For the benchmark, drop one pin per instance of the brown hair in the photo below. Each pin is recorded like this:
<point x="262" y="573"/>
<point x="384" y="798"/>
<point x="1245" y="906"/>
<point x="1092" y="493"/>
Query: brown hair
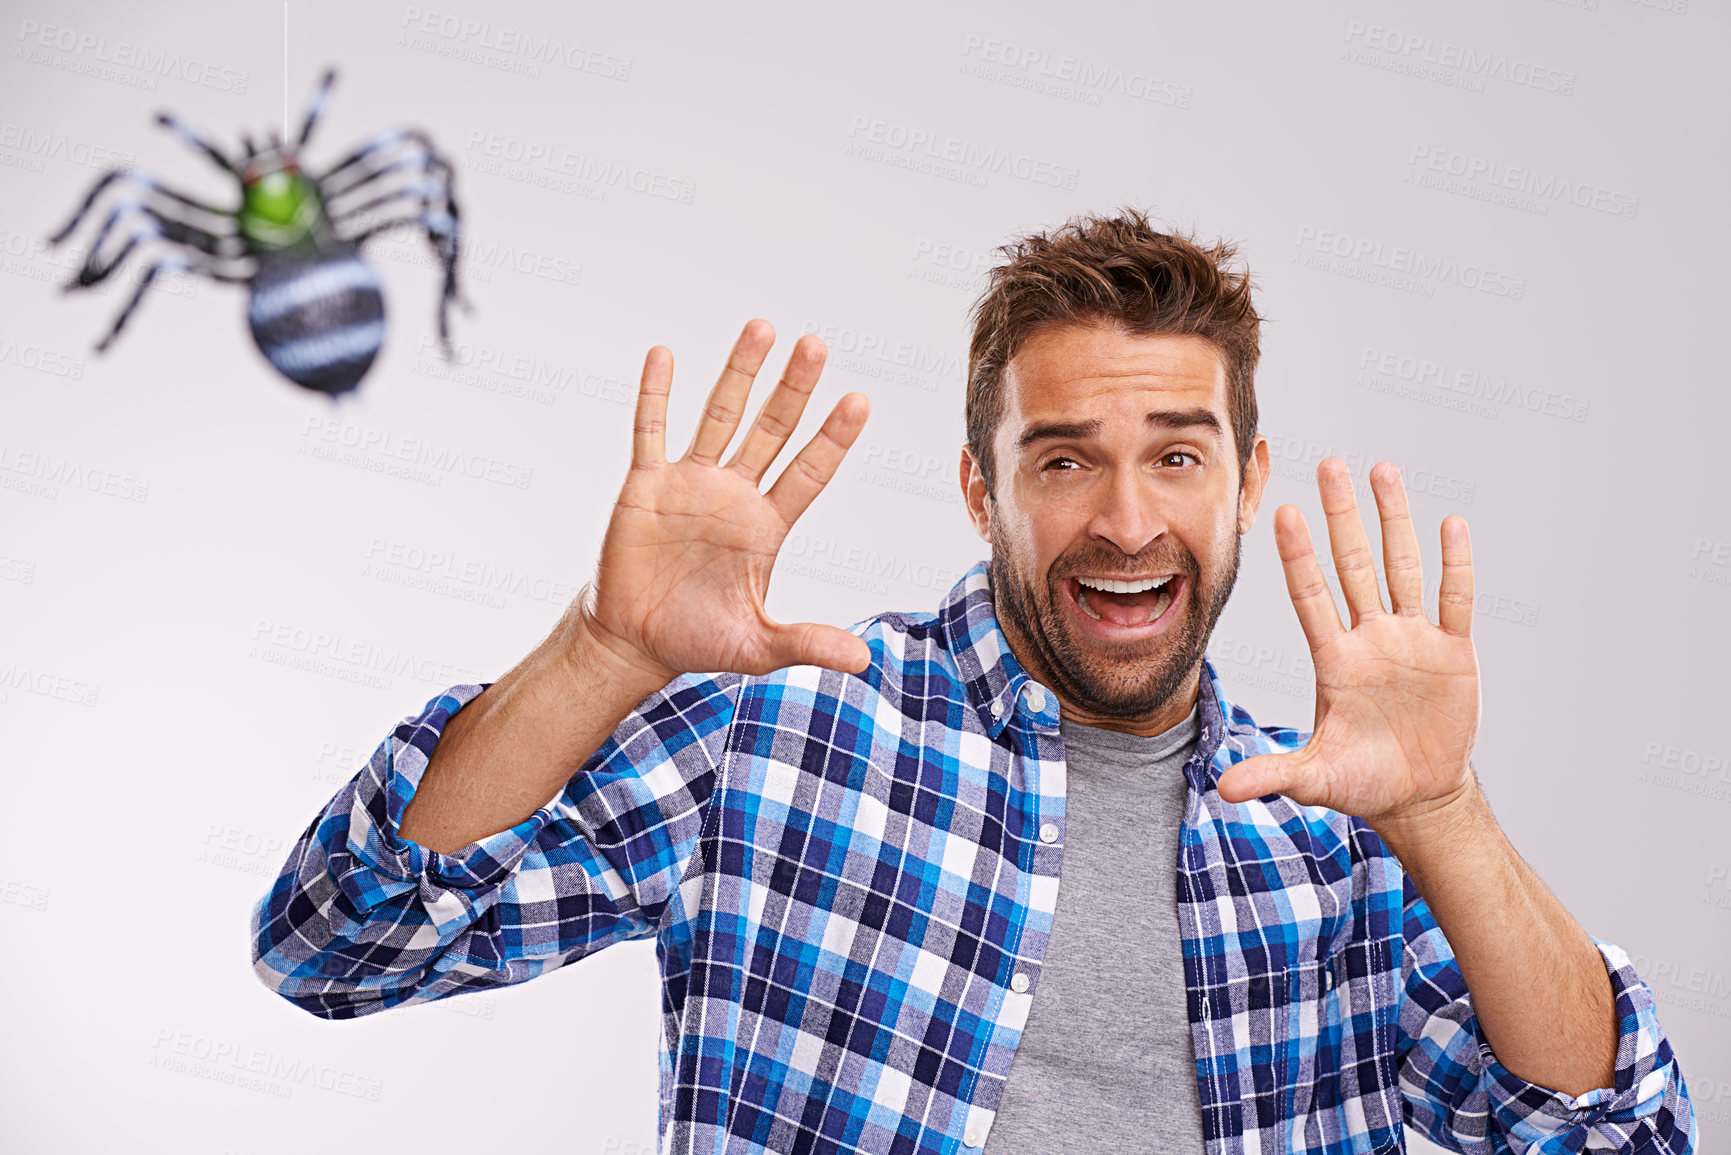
<point x="1118" y="270"/>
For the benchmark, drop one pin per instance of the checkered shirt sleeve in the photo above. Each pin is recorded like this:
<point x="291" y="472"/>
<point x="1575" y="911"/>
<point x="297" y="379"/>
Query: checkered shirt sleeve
<point x="361" y="919"/>
<point x="1461" y="1097"/>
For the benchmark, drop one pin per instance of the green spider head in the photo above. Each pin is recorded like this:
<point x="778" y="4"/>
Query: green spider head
<point x="280" y="205"/>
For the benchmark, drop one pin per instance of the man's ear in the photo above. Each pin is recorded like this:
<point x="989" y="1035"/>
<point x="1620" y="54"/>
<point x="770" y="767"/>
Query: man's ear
<point x="1255" y="481"/>
<point x="974" y="495"/>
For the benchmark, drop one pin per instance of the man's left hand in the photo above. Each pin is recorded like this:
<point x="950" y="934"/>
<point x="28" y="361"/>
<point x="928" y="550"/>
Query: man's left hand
<point x="1397" y="698"/>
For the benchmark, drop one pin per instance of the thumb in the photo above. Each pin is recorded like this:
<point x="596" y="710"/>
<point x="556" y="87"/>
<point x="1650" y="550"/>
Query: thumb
<point x="1263" y="774"/>
<point x="811" y="644"/>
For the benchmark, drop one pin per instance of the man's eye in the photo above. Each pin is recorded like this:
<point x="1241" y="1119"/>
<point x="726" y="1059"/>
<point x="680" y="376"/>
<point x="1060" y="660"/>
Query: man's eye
<point x="1055" y="462"/>
<point x="1167" y="458"/>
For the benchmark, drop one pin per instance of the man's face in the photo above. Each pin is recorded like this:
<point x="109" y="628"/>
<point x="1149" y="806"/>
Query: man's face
<point x="1116" y="515"/>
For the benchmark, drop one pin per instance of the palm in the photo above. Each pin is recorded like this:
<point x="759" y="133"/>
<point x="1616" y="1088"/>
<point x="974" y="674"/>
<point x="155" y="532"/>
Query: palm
<point x="1397" y="697"/>
<point x="1397" y="705"/>
<point x="686" y="561"/>
<point x="686" y="565"/>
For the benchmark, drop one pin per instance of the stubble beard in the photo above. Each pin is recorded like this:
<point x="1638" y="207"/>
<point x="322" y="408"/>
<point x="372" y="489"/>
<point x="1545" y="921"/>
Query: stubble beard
<point x="1134" y="683"/>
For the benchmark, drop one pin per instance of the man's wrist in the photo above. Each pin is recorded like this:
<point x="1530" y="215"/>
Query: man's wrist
<point x="588" y="651"/>
<point x="1444" y="826"/>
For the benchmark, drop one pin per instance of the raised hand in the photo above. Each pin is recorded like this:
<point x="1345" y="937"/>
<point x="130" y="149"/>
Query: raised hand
<point x="1397" y="697"/>
<point x="686" y="561"/>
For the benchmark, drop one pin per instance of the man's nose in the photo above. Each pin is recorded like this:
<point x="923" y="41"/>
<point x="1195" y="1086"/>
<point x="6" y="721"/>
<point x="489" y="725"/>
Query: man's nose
<point x="1127" y="514"/>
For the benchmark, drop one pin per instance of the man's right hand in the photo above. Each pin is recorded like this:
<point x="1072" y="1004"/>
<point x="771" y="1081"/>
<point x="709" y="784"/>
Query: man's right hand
<point x="686" y="561"/>
<point x="679" y="589"/>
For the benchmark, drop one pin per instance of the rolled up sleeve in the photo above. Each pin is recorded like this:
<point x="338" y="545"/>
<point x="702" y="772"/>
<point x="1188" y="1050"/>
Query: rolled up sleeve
<point x="361" y="919"/>
<point x="1461" y="1097"/>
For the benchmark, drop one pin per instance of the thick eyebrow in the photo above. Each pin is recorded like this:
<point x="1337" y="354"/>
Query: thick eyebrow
<point x="1076" y="430"/>
<point x="1185" y="419"/>
<point x="1058" y="431"/>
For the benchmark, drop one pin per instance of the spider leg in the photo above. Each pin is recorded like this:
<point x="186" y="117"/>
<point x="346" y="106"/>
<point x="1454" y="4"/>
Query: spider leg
<point x="149" y="223"/>
<point x="141" y="181"/>
<point x="316" y="105"/>
<point x="439" y="176"/>
<point x="435" y="185"/>
<point x="418" y="159"/>
<point x="423" y="189"/>
<point x="191" y="136"/>
<point x="171" y="263"/>
<point x="441" y="230"/>
<point x="382" y="141"/>
<point x="438" y="184"/>
<point x="442" y="224"/>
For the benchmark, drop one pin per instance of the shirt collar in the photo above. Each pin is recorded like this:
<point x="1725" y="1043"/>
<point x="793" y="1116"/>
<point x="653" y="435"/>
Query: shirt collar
<point x="994" y="679"/>
<point x="990" y="672"/>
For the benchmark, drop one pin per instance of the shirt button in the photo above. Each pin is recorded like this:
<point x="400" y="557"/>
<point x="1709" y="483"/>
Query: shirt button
<point x="972" y="1138"/>
<point x="997" y="708"/>
<point x="1019" y="983"/>
<point x="1036" y="699"/>
<point x="1049" y="833"/>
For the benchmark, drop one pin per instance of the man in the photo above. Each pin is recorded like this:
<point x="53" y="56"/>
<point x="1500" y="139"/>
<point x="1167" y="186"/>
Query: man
<point x="848" y="844"/>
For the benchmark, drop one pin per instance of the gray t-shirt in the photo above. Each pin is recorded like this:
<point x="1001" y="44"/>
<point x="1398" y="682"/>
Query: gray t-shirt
<point x="1106" y="1061"/>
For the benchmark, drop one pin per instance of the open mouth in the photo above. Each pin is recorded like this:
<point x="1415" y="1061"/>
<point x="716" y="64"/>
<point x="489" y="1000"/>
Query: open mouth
<point x="1125" y="603"/>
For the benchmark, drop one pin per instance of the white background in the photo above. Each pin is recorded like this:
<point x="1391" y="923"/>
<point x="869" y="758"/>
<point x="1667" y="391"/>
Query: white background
<point x="210" y="612"/>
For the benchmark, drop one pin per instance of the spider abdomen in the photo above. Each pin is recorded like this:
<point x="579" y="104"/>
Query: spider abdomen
<point x="318" y="320"/>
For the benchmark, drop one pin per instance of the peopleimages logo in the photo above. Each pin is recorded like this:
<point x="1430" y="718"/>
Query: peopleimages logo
<point x="1467" y="63"/>
<point x="1069" y="77"/>
<point x="885" y="358"/>
<point x="57" y="471"/>
<point x="1711" y="561"/>
<point x="527" y="369"/>
<point x="61" y="687"/>
<point x="1364" y="254"/>
<point x="422" y="460"/>
<point x="560" y="168"/>
<point x="1524" y="185"/>
<point x="873" y="139"/>
<point x="39" y="145"/>
<point x="252" y="1067"/>
<point x="350" y="659"/>
<point x="522" y="43"/>
<point x="91" y="49"/>
<point x="1470" y="383"/>
<point x="408" y="560"/>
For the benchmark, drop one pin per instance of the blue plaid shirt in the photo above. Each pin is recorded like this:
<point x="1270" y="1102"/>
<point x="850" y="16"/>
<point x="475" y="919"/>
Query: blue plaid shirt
<point x="850" y="880"/>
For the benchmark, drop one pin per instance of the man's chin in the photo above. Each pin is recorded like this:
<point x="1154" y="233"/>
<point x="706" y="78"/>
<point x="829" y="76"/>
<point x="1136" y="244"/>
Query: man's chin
<point x="1116" y="695"/>
<point x="1131" y="677"/>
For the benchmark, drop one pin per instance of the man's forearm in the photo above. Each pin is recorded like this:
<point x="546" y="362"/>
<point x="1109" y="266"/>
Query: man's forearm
<point x="1539" y="986"/>
<point x="512" y="749"/>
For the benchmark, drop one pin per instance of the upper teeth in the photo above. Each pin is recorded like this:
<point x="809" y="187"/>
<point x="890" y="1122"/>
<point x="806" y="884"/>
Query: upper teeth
<point x="1118" y="587"/>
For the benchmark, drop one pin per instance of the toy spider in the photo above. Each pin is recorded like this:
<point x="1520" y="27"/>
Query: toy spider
<point x="315" y="308"/>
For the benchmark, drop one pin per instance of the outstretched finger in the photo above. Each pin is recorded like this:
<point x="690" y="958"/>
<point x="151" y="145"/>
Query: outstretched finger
<point x="1400" y="557"/>
<point x="649" y="426"/>
<point x="780" y="414"/>
<point x="1455" y="598"/>
<point x="1353" y="563"/>
<point x="1317" y="614"/>
<point x="726" y="403"/>
<point x="811" y="469"/>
